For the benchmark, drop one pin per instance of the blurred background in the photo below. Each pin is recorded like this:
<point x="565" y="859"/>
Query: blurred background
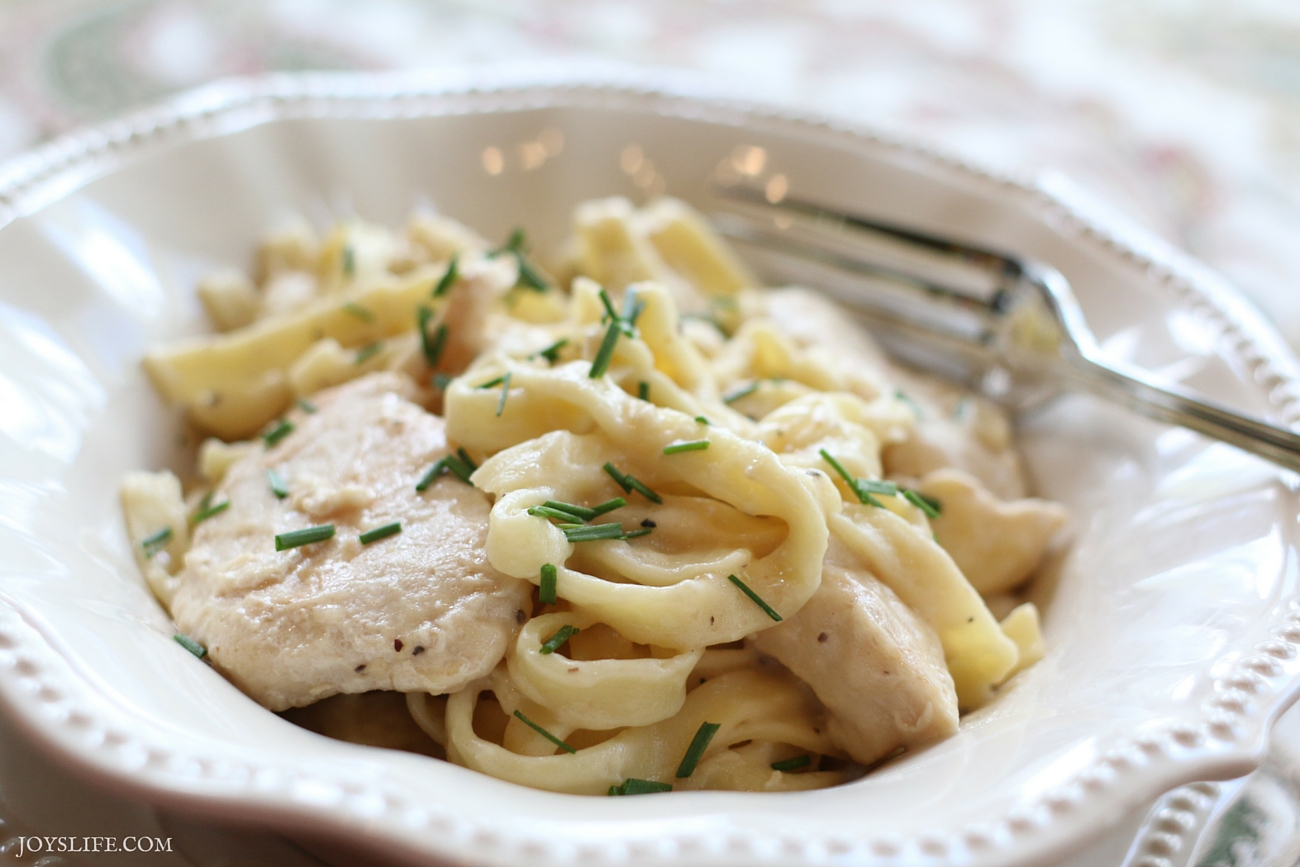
<point x="1182" y="114"/>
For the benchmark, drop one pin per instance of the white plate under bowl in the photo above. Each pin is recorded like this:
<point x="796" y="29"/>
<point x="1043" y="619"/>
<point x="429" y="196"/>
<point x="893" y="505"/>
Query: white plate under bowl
<point x="1173" y="633"/>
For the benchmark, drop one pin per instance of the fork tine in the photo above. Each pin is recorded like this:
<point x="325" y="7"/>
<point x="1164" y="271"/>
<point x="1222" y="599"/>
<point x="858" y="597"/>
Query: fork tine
<point x="1030" y="327"/>
<point x="1006" y="266"/>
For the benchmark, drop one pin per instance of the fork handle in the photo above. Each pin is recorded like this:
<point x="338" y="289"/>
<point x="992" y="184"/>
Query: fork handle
<point x="1133" y="389"/>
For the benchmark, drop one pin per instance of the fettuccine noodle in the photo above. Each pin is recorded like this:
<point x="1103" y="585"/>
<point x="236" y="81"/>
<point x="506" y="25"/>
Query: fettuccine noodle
<point x="677" y="522"/>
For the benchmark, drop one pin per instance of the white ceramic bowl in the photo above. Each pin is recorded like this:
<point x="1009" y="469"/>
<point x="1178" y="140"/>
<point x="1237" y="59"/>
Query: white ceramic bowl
<point x="1173" y="633"/>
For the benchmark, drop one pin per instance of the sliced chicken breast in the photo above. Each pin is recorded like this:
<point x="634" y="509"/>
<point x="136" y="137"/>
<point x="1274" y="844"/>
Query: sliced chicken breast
<point x="877" y="667"/>
<point x="419" y="610"/>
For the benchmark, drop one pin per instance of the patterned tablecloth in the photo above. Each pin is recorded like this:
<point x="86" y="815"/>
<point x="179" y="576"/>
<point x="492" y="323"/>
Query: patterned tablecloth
<point x="1184" y="114"/>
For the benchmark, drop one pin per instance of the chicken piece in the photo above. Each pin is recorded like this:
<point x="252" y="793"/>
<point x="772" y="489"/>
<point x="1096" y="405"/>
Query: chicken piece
<point x="419" y="610"/>
<point x="996" y="544"/>
<point x="877" y="667"/>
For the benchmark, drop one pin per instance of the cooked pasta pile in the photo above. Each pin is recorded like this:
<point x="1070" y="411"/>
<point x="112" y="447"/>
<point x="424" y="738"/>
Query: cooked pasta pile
<point x="623" y="524"/>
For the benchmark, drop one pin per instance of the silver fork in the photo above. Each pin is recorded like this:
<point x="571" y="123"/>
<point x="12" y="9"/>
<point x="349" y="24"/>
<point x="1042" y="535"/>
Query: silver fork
<point x="1007" y="326"/>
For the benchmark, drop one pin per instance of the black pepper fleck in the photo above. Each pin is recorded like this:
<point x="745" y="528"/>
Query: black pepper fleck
<point x="420" y="649"/>
<point x="397" y="644"/>
<point x="821" y="639"/>
<point x="970" y="619"/>
<point x="360" y="668"/>
<point x="520" y="617"/>
<point x="710" y="619"/>
<point x="649" y="523"/>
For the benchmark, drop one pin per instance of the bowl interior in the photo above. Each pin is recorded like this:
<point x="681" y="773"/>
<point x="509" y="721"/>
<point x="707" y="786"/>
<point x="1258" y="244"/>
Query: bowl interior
<point x="1182" y="555"/>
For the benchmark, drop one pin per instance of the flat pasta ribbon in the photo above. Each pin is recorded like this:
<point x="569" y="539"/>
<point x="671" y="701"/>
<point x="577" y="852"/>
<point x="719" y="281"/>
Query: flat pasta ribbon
<point x="700" y="609"/>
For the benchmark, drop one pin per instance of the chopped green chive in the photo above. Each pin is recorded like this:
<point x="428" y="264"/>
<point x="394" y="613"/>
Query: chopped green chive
<point x="449" y="277"/>
<point x="155" y="542"/>
<point x="855" y="485"/>
<point x="839" y="468"/>
<point x="306" y="405"/>
<point x="207" y="509"/>
<point x="600" y="363"/>
<point x="528" y="275"/>
<point x="629" y="484"/>
<point x="929" y="505"/>
<point x="634" y="786"/>
<point x="701" y="419"/>
<point x="632" y="534"/>
<point x="517" y="241"/>
<point x="466" y="459"/>
<point x="306" y="536"/>
<point x="580" y="512"/>
<point x="282" y="429"/>
<point x="431" y="346"/>
<point x="368" y="352"/>
<point x="569" y="510"/>
<point x="431" y="475"/>
<point x="190" y="644"/>
<point x="548" y="585"/>
<point x="563" y="634"/>
<point x="642" y="489"/>
<point x="544" y="733"/>
<point x="594" y="532"/>
<point x="460" y="466"/>
<point x="792" y="764"/>
<point x="460" y="469"/>
<point x="614" y="474"/>
<point x="552" y="352"/>
<point x="552" y="513"/>
<point x="358" y="311"/>
<point x="899" y="394"/>
<point x="441" y="381"/>
<point x="873" y="486"/>
<point x="643" y="390"/>
<point x="692" y="446"/>
<point x="733" y="396"/>
<point x="517" y="246"/>
<point x="504" y="382"/>
<point x="626" y="321"/>
<point x="609" y="305"/>
<point x="279" y="486"/>
<point x="757" y="600"/>
<point x="695" y="751"/>
<point x="607" y="506"/>
<point x="632" y="307"/>
<point x="381" y="532"/>
<point x="349" y="261"/>
<point x="505" y="392"/>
